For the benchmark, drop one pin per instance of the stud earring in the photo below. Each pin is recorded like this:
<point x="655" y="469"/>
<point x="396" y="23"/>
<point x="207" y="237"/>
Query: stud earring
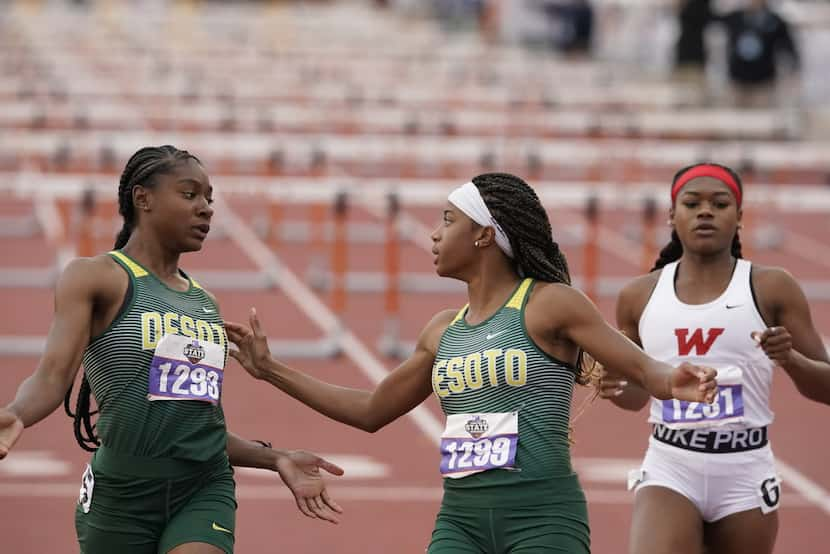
<point x="476" y="243"/>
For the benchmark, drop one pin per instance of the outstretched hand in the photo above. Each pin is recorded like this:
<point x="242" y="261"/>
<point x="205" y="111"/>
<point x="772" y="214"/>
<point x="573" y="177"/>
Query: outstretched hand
<point x="611" y="385"/>
<point x="694" y="383"/>
<point x="252" y="344"/>
<point x="300" y="471"/>
<point x="10" y="429"/>
<point x="776" y="342"/>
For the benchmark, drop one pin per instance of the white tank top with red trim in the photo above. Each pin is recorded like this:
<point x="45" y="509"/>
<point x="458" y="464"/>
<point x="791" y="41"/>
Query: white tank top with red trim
<point x="716" y="334"/>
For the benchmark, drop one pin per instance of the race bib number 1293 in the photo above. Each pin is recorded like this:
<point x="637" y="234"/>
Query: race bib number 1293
<point x="186" y="369"/>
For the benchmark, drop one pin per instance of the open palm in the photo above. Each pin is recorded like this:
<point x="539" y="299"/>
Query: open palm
<point x="300" y="471"/>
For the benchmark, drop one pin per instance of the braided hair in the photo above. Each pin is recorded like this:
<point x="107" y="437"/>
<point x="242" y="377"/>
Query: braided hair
<point x="141" y="169"/>
<point x="518" y="211"/>
<point x="674" y="249"/>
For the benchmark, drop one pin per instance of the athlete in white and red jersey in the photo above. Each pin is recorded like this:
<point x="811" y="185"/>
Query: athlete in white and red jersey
<point x="708" y="479"/>
<point x="717" y="334"/>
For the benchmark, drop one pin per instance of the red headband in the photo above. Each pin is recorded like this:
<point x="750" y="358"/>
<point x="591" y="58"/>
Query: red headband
<point x="706" y="170"/>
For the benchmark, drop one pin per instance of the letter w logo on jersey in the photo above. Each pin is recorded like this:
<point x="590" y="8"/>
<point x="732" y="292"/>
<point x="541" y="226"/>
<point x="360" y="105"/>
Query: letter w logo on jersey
<point x="685" y="343"/>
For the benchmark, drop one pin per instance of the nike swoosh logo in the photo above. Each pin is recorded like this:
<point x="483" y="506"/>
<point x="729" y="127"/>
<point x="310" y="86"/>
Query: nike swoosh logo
<point x="217" y="527"/>
<point x="494" y="335"/>
<point x="731" y="306"/>
<point x="207" y="310"/>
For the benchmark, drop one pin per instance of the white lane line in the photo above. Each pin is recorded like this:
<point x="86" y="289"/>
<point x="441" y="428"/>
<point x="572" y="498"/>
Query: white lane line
<point x="34" y="463"/>
<point x="814" y="493"/>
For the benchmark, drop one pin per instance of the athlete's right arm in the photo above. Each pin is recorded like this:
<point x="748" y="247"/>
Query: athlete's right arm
<point x="630" y="305"/>
<point x="43" y="391"/>
<point x="398" y="393"/>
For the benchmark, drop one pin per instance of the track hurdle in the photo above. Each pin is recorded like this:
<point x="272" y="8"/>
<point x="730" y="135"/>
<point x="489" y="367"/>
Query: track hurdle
<point x="390" y="342"/>
<point x="317" y="270"/>
<point x="591" y="248"/>
<point x="339" y="254"/>
<point x="85" y="221"/>
<point x="649" y="247"/>
<point x="275" y="213"/>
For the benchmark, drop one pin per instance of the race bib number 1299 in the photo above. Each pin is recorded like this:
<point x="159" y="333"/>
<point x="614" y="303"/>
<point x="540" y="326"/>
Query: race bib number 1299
<point x="473" y="443"/>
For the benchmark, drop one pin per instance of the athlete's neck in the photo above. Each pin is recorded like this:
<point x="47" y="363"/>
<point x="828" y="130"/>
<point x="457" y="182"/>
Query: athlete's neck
<point x="488" y="291"/>
<point x="161" y="262"/>
<point x="703" y="278"/>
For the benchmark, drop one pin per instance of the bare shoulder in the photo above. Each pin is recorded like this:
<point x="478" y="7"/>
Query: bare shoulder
<point x="547" y="295"/>
<point x="544" y="292"/>
<point x="552" y="307"/>
<point x="98" y="281"/>
<point x="635" y="294"/>
<point x="771" y="282"/>
<point x="97" y="273"/>
<point x="432" y="332"/>
<point x="770" y="276"/>
<point x="440" y="321"/>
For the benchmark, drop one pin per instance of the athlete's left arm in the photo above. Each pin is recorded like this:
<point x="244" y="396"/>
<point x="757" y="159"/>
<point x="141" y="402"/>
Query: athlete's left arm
<point x="573" y="316"/>
<point x="792" y="342"/>
<point x="299" y="470"/>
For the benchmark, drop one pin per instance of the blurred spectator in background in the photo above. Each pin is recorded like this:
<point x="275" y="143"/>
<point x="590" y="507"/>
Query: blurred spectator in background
<point x="757" y="40"/>
<point x="459" y="14"/>
<point x="573" y="23"/>
<point x="690" y="49"/>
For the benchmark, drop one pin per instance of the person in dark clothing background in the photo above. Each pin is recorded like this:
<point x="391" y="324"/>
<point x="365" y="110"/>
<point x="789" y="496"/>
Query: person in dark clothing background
<point x="757" y="38"/>
<point x="690" y="54"/>
<point x="690" y="50"/>
<point x="573" y="22"/>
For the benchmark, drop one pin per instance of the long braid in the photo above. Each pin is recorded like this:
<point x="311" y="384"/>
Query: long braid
<point x="674" y="249"/>
<point x="518" y="211"/>
<point x="141" y="169"/>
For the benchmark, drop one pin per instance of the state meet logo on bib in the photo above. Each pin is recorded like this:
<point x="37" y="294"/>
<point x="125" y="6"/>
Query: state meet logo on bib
<point x="477" y="426"/>
<point x="194" y="352"/>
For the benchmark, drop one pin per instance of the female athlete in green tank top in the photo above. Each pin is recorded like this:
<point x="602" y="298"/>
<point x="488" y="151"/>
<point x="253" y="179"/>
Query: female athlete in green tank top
<point x="503" y="369"/>
<point x="153" y="348"/>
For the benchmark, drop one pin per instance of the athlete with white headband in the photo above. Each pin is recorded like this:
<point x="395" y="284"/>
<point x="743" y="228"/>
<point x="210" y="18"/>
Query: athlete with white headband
<point x="708" y="482"/>
<point x="503" y="368"/>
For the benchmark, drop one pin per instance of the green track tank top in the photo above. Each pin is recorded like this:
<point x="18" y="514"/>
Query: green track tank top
<point x="117" y="364"/>
<point x="495" y="367"/>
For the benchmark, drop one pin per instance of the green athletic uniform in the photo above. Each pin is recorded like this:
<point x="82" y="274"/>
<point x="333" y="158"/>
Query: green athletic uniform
<point x="537" y="505"/>
<point x="161" y="476"/>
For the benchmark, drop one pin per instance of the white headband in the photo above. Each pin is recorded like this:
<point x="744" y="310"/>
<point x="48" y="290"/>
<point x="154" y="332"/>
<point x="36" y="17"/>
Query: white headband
<point x="467" y="199"/>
